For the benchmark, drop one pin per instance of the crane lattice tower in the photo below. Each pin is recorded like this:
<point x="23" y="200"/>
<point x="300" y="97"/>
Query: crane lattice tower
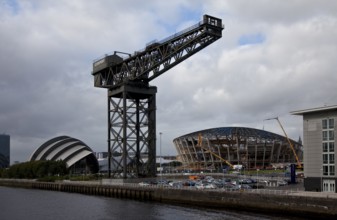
<point x="132" y="101"/>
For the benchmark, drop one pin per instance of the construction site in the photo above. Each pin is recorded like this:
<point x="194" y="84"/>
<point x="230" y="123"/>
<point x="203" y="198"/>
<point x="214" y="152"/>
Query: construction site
<point x="225" y="148"/>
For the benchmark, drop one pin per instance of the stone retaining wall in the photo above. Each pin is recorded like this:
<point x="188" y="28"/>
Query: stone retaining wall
<point x="304" y="206"/>
<point x="245" y="201"/>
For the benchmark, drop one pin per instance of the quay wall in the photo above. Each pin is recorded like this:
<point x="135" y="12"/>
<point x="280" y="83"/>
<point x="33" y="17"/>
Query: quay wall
<point x="301" y="206"/>
<point x="291" y="205"/>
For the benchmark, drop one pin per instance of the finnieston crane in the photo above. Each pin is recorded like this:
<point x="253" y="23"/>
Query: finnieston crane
<point x="132" y="101"/>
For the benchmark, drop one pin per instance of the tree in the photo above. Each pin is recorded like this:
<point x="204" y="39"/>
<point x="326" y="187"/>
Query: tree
<point x="36" y="169"/>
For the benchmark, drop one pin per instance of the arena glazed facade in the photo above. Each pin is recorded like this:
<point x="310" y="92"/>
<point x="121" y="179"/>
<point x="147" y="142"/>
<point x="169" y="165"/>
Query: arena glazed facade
<point x="77" y="155"/>
<point x="249" y="147"/>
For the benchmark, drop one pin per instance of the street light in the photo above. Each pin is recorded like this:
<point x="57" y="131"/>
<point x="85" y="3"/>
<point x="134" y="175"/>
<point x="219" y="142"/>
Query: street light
<point x="321" y="179"/>
<point x="161" y="176"/>
<point x="257" y="179"/>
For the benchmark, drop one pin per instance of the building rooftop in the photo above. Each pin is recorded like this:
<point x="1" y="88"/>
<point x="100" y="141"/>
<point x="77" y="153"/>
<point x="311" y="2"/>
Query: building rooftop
<point x="312" y="110"/>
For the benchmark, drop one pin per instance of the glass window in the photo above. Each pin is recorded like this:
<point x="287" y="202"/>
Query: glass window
<point x="331" y="135"/>
<point x="324" y="124"/>
<point x="331" y="147"/>
<point x="331" y="123"/>
<point x="325" y="135"/>
<point x="325" y="170"/>
<point x="331" y="158"/>
<point x="325" y="147"/>
<point x="332" y="170"/>
<point x="325" y="158"/>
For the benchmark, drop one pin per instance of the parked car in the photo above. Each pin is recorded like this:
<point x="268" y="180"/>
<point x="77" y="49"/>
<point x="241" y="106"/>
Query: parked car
<point x="210" y="186"/>
<point x="257" y="186"/>
<point x="245" y="186"/>
<point x="144" y="183"/>
<point x="200" y="186"/>
<point x="282" y="183"/>
<point x="178" y="184"/>
<point x="245" y="181"/>
<point x="253" y="180"/>
<point x="189" y="183"/>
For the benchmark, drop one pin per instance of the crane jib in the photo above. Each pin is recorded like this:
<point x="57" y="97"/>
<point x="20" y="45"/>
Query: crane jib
<point x="158" y="56"/>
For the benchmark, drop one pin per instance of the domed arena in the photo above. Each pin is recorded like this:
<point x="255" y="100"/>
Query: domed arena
<point x="217" y="149"/>
<point x="77" y="155"/>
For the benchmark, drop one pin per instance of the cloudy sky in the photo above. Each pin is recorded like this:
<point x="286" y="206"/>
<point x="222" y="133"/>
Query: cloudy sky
<point x="274" y="57"/>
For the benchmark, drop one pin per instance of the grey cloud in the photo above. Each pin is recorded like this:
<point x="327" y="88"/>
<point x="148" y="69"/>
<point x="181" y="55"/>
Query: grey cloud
<point x="47" y="49"/>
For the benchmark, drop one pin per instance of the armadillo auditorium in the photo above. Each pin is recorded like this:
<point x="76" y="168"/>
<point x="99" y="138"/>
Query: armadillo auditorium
<point x="78" y="156"/>
<point x="220" y="148"/>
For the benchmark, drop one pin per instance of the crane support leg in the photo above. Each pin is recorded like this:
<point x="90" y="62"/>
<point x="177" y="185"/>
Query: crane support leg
<point x="132" y="130"/>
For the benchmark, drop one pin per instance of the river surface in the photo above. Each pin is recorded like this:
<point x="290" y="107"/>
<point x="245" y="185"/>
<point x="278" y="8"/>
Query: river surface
<point x="19" y="203"/>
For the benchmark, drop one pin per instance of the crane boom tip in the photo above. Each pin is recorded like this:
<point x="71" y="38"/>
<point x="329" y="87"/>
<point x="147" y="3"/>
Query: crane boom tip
<point x="271" y="118"/>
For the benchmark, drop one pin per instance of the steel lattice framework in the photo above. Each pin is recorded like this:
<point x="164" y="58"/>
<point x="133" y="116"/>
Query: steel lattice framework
<point x="252" y="148"/>
<point x="131" y="100"/>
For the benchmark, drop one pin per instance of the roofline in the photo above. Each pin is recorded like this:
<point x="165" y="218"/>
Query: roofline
<point x="270" y="135"/>
<point x="312" y="110"/>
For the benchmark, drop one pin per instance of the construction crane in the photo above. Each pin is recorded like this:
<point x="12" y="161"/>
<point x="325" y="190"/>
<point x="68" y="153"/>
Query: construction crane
<point x="214" y="154"/>
<point x="132" y="101"/>
<point x="299" y="164"/>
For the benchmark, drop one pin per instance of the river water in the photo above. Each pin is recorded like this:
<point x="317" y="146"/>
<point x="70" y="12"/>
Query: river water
<point x="19" y="203"/>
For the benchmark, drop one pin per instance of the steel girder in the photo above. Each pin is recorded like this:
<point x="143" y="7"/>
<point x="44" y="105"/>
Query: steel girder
<point x="252" y="152"/>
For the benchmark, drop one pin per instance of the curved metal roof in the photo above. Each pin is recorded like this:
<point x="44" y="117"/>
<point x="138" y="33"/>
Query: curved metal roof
<point x="68" y="149"/>
<point x="236" y="131"/>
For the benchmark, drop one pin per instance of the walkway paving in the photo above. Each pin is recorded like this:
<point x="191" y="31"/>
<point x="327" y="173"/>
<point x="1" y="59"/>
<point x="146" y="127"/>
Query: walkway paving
<point x="331" y="195"/>
<point x="298" y="190"/>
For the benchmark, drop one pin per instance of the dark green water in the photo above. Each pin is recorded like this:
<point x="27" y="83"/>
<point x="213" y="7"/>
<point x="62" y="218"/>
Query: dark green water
<point x="19" y="203"/>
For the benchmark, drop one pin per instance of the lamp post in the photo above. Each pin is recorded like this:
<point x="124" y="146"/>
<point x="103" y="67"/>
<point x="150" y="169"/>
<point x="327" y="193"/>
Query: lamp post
<point x="223" y="178"/>
<point x="321" y="179"/>
<point x="161" y="175"/>
<point x="257" y="179"/>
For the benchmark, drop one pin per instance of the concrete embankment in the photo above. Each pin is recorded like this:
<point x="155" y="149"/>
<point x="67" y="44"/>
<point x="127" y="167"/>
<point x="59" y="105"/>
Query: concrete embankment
<point x="300" y="205"/>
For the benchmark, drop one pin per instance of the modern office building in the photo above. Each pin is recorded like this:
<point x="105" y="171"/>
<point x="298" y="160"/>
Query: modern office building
<point x="4" y="150"/>
<point x="319" y="131"/>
